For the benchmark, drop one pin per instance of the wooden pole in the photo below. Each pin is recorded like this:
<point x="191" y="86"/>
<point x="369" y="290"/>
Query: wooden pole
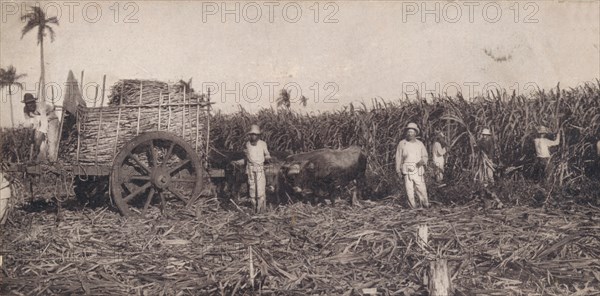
<point x="159" y="108"/>
<point x="197" y="123"/>
<point x="207" y="129"/>
<point x="169" y="102"/>
<point x="119" y="119"/>
<point x="100" y="121"/>
<point x="81" y="85"/>
<point x="183" y="114"/>
<point x="439" y="278"/>
<point x="137" y="131"/>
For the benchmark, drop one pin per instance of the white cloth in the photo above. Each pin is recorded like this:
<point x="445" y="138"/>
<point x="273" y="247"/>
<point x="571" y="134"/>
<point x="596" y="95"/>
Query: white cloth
<point x="438" y="153"/>
<point x="36" y="122"/>
<point x="542" y="145"/>
<point x="256" y="154"/>
<point x="257" y="181"/>
<point x="416" y="183"/>
<point x="50" y="128"/>
<point x="407" y="156"/>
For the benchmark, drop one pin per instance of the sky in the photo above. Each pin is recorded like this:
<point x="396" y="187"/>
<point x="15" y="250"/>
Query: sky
<point x="333" y="53"/>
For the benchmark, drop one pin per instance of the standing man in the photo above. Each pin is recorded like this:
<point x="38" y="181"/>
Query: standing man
<point x="256" y="154"/>
<point x="411" y="159"/>
<point x="46" y="133"/>
<point x="486" y="152"/>
<point x="542" y="144"/>
<point x="438" y="154"/>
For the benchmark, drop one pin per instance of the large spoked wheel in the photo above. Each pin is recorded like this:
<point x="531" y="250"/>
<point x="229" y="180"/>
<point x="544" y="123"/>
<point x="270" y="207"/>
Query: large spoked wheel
<point x="155" y="167"/>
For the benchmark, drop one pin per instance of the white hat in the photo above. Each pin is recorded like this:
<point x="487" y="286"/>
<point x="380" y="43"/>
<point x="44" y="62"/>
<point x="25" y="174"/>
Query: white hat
<point x="254" y="129"/>
<point x="542" y="129"/>
<point x="486" y="131"/>
<point x="414" y="126"/>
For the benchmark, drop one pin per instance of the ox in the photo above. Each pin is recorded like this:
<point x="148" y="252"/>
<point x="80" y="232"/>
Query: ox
<point x="328" y="170"/>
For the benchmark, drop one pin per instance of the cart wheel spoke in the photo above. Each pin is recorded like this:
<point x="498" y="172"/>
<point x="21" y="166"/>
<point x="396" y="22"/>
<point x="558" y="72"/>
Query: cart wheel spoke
<point x="163" y="202"/>
<point x="169" y="154"/>
<point x="139" y="163"/>
<point x="178" y="166"/>
<point x="137" y="192"/>
<point x="141" y="178"/>
<point x="153" y="157"/>
<point x="148" y="201"/>
<point x="183" y="180"/>
<point x="177" y="194"/>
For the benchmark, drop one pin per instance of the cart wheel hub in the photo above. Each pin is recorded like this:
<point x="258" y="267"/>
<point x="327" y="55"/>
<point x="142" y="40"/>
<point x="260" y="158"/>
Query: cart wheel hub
<point x="161" y="179"/>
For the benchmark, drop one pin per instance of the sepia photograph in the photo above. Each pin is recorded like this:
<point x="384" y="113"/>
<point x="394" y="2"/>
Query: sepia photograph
<point x="357" y="147"/>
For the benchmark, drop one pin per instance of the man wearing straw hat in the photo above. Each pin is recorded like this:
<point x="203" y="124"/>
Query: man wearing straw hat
<point x="542" y="144"/>
<point x="46" y="133"/>
<point x="256" y="154"/>
<point x="411" y="159"/>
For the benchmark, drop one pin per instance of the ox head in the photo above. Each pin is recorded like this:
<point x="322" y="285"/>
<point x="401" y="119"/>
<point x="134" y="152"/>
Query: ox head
<point x="298" y="175"/>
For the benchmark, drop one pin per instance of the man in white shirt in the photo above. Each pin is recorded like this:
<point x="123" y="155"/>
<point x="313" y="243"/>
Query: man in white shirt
<point x="256" y="154"/>
<point x="46" y="132"/>
<point x="411" y="159"/>
<point x="542" y="151"/>
<point x="438" y="152"/>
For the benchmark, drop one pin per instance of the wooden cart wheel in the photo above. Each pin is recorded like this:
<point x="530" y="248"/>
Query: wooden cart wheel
<point x="155" y="166"/>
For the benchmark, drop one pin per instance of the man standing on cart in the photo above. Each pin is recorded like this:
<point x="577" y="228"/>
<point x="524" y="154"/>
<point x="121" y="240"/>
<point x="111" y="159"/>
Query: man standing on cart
<point x="46" y="132"/>
<point x="256" y="154"/>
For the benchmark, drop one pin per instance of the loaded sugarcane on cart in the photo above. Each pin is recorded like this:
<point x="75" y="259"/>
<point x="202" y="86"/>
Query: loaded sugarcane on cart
<point x="150" y="141"/>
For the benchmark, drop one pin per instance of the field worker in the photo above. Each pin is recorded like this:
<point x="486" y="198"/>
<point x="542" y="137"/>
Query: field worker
<point x="542" y="144"/>
<point x="256" y="154"/>
<point x="438" y="153"/>
<point x="486" y="149"/>
<point x="411" y="159"/>
<point x="46" y="133"/>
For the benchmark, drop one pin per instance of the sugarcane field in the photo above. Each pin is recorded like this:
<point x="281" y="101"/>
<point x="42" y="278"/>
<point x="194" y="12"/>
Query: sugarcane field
<point x="300" y="148"/>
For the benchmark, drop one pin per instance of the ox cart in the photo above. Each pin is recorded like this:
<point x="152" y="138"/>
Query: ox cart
<point x="150" y="142"/>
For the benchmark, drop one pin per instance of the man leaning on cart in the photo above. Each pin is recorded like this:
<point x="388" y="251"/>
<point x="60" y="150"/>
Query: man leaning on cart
<point x="45" y="137"/>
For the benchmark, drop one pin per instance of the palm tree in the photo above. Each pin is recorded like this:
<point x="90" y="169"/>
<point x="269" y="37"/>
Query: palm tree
<point x="303" y="101"/>
<point x="37" y="18"/>
<point x="284" y="99"/>
<point x="8" y="78"/>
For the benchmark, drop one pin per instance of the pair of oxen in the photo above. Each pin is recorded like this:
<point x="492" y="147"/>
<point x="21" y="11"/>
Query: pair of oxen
<point x="313" y="175"/>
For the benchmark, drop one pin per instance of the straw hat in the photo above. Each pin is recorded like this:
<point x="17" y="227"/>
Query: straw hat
<point x="414" y="126"/>
<point x="254" y="129"/>
<point x="486" y="131"/>
<point x="28" y="98"/>
<point x="542" y="129"/>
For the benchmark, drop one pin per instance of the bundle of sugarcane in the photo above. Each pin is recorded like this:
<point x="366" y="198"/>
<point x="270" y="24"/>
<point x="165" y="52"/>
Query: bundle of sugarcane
<point x="103" y="131"/>
<point x="136" y="106"/>
<point x="134" y="91"/>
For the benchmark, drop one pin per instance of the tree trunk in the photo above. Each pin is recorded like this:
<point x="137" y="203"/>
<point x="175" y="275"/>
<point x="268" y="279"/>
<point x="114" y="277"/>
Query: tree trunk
<point x="12" y="116"/>
<point x="42" y="98"/>
<point x="439" y="278"/>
